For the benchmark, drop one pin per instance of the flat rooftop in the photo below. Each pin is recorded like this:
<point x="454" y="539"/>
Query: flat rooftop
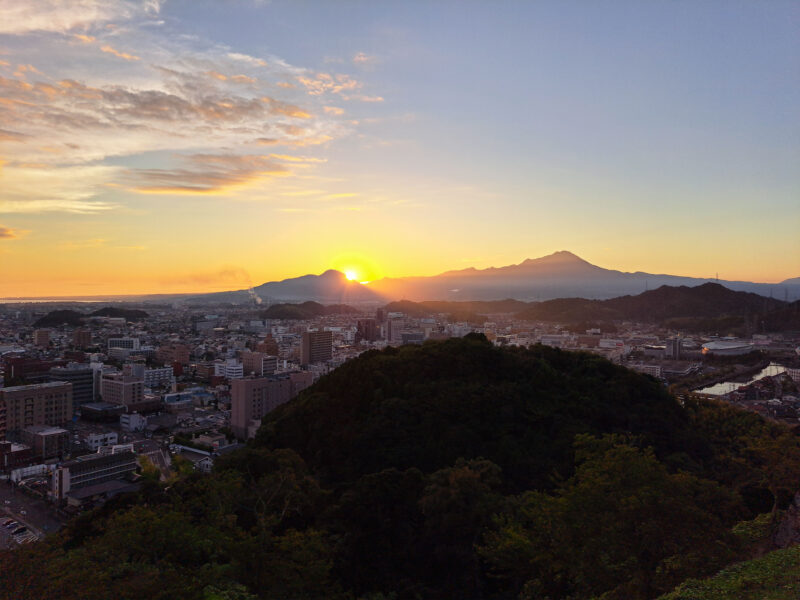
<point x="35" y="386"/>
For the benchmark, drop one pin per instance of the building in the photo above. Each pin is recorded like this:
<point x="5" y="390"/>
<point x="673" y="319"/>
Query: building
<point x="367" y="330"/>
<point x="41" y="338"/>
<point x="46" y="442"/>
<point x="96" y="439"/>
<point x="672" y="348"/>
<point x="648" y="369"/>
<point x="412" y="337"/>
<point x="27" y="370"/>
<point x="132" y="422"/>
<point x="317" y="347"/>
<point x="81" y="338"/>
<point x="127" y="391"/>
<point x="81" y="376"/>
<point x="92" y="469"/>
<point x="259" y="363"/>
<point x="153" y="378"/>
<point x="173" y="353"/>
<point x="125" y="343"/>
<point x="394" y="328"/>
<point x="254" y="397"/>
<point x="13" y="456"/>
<point x="230" y="369"/>
<point x="725" y="348"/>
<point x="39" y="404"/>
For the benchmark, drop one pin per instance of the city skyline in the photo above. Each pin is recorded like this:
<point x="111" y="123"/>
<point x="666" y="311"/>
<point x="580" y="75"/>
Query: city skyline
<point x="174" y="146"/>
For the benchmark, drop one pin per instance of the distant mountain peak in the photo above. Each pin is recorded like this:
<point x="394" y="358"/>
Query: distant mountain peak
<point x="561" y="256"/>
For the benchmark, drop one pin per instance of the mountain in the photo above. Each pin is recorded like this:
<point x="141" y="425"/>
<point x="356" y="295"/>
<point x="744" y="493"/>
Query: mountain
<point x="331" y="287"/>
<point x="56" y="318"/>
<point x="307" y="310"/>
<point x="129" y="314"/>
<point x="559" y="275"/>
<point x="709" y="306"/>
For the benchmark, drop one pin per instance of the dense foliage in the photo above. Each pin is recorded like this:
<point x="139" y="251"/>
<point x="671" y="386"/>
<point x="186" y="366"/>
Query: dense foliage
<point x="707" y="307"/>
<point x="56" y="318"/>
<point x="306" y="310"/>
<point x="450" y="470"/>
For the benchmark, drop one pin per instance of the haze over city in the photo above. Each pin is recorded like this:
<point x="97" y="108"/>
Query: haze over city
<point x="176" y="146"/>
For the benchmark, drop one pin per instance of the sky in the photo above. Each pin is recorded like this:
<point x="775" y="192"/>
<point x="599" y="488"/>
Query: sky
<point x="165" y="146"/>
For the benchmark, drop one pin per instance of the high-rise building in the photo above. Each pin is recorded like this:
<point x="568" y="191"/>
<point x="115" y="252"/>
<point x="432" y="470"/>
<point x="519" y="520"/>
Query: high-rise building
<point x="81" y="376"/>
<point x="39" y="404"/>
<point x="127" y="391"/>
<point x="81" y="338"/>
<point x="394" y="329"/>
<point x="259" y="363"/>
<point x="41" y="338"/>
<point x="317" y="347"/>
<point x="254" y="397"/>
<point x="367" y="330"/>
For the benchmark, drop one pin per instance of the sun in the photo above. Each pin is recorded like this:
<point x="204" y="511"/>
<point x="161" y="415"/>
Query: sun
<point x="351" y="275"/>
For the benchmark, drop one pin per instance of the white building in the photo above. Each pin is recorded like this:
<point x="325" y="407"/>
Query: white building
<point x="96" y="439"/>
<point x="132" y="422"/>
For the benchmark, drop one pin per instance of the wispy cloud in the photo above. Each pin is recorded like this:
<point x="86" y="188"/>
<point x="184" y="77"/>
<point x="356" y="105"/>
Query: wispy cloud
<point x="325" y="83"/>
<point x="7" y="233"/>
<point x="118" y="53"/>
<point x="206" y="174"/>
<point x="364" y="59"/>
<point x="61" y="16"/>
<point x="66" y="132"/>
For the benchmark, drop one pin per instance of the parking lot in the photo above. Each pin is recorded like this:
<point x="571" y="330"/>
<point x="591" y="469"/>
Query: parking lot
<point x="35" y="514"/>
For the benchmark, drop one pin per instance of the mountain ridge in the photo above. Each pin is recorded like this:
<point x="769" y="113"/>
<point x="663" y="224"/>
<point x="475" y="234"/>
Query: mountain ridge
<point x="561" y="274"/>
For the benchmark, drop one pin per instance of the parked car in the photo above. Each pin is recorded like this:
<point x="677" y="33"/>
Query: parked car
<point x="19" y="530"/>
<point x="12" y="525"/>
<point x="7" y="522"/>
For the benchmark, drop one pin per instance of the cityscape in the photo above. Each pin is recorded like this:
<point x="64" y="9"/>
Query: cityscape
<point x="309" y="300"/>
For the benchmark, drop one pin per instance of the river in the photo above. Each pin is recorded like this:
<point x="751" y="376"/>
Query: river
<point x="724" y="387"/>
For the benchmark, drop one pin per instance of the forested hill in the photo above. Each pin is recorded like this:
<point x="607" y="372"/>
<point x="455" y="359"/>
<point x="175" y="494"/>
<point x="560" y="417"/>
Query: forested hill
<point x="451" y="470"/>
<point x="73" y="318"/>
<point x="709" y="300"/>
<point x="306" y="310"/>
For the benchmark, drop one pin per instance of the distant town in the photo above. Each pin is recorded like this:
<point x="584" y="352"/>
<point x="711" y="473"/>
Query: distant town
<point x="92" y="400"/>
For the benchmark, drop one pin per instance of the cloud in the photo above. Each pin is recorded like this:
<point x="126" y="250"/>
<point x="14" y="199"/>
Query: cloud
<point x="364" y="59"/>
<point x="173" y="95"/>
<point x="116" y="52"/>
<point x="54" y="189"/>
<point x="258" y="62"/>
<point x="243" y="79"/>
<point x="363" y="98"/>
<point x="64" y="16"/>
<point x="324" y="83"/>
<point x="206" y="174"/>
<point x="7" y="233"/>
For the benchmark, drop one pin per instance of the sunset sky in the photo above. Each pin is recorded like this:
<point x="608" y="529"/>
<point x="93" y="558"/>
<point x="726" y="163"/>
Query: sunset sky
<point x="188" y="145"/>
